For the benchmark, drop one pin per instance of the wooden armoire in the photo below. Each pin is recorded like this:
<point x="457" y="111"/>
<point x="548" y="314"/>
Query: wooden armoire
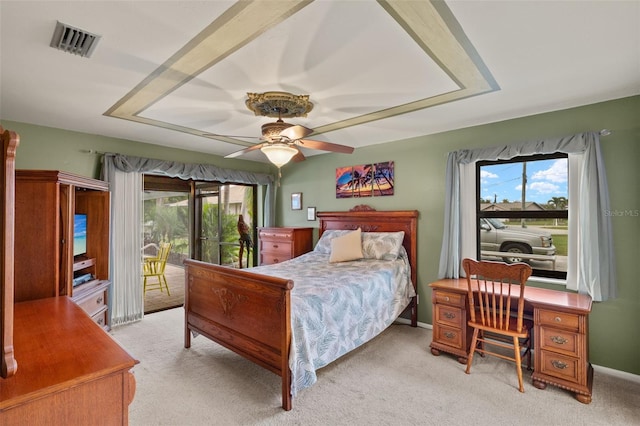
<point x="47" y="204"/>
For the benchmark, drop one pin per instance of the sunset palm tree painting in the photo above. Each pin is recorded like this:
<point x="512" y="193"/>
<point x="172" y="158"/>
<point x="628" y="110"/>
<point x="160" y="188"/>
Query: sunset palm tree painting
<point x="365" y="180"/>
<point x="383" y="179"/>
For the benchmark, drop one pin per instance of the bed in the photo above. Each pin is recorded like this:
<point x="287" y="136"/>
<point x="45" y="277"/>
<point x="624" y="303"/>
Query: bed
<point x="261" y="314"/>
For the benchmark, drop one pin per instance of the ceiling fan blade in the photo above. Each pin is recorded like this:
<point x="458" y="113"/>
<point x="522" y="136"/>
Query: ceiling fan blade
<point x="244" y="151"/>
<point x="296" y="132"/>
<point x="298" y="157"/>
<point x="324" y="146"/>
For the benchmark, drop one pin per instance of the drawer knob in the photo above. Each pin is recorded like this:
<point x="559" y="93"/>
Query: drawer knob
<point x="449" y="335"/>
<point x="446" y="298"/>
<point x="559" y="364"/>
<point x="100" y="321"/>
<point x="557" y="319"/>
<point x="275" y="246"/>
<point x="558" y="340"/>
<point x="449" y="315"/>
<point x="99" y="300"/>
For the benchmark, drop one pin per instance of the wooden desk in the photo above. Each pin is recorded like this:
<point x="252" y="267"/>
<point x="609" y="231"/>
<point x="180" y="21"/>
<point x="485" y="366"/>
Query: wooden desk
<point x="560" y="335"/>
<point x="70" y="371"/>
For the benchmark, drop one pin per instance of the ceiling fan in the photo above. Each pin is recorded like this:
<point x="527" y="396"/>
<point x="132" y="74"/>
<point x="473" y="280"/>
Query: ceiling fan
<point x="281" y="142"/>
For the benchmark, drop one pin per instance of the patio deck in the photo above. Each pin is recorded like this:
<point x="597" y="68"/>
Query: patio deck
<point x="156" y="300"/>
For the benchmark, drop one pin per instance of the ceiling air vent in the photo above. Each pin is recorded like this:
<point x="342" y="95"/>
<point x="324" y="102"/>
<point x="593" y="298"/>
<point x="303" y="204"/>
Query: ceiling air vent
<point x="74" y="40"/>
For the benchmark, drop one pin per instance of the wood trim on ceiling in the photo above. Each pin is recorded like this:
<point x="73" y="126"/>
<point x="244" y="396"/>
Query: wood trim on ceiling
<point x="430" y="24"/>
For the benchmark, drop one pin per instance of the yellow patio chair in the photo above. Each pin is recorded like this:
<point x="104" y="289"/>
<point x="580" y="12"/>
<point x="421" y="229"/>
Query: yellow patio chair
<point x="154" y="267"/>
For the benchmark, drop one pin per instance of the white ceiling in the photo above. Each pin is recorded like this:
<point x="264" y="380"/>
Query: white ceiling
<point x="166" y="72"/>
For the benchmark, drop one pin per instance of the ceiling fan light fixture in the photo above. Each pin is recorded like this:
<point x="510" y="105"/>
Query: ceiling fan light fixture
<point x="279" y="153"/>
<point x="279" y="104"/>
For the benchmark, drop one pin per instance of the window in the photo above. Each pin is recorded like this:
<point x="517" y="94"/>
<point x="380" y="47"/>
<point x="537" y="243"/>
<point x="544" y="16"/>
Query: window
<point x="522" y="212"/>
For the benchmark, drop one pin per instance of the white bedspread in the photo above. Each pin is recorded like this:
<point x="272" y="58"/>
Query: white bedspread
<point x="337" y="307"/>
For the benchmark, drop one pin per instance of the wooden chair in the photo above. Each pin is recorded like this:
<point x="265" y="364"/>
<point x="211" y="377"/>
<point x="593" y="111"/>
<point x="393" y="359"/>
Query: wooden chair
<point x="154" y="267"/>
<point x="496" y="306"/>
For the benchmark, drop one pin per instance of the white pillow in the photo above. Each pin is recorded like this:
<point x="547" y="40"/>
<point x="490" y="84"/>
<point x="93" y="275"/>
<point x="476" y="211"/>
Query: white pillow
<point x="346" y="247"/>
<point x="382" y="245"/>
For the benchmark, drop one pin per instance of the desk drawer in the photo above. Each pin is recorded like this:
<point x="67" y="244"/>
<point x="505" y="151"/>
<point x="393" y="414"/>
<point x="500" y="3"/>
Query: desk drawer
<point x="449" y="298"/>
<point x="559" y="319"/>
<point x="562" y="367"/>
<point x="448" y="336"/>
<point x="449" y="315"/>
<point x="559" y="341"/>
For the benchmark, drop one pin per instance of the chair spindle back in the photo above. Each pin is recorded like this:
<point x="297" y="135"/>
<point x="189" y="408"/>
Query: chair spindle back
<point x="493" y="288"/>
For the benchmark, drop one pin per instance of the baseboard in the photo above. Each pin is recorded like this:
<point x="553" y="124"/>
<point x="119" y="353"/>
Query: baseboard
<point x="600" y="369"/>
<point x="401" y="320"/>
<point x="617" y="373"/>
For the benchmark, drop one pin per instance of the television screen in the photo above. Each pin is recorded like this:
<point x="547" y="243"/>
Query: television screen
<point x="79" y="234"/>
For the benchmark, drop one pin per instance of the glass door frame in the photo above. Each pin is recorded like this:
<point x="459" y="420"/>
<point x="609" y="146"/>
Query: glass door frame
<point x="196" y="219"/>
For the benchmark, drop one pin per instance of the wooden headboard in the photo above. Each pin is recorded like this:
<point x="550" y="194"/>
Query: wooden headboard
<point x="370" y="220"/>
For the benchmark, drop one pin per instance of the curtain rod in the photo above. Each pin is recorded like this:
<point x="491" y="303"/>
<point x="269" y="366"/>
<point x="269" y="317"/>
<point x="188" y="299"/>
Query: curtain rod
<point x="92" y="151"/>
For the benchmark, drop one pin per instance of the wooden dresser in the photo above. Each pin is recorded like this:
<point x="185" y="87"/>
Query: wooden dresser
<point x="561" y="331"/>
<point x="70" y="371"/>
<point x="280" y="244"/>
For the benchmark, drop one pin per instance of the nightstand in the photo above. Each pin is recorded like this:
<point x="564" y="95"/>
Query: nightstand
<point x="280" y="244"/>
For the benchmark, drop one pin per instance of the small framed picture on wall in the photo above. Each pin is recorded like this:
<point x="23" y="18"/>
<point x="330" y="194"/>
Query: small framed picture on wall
<point x="311" y="213"/>
<point x="296" y="201"/>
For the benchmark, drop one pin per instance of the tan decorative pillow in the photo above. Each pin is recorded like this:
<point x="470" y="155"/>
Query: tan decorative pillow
<point x="346" y="247"/>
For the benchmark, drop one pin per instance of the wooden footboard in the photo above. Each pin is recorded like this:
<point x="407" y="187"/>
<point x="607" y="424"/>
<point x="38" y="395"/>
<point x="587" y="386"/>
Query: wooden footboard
<point x="246" y="312"/>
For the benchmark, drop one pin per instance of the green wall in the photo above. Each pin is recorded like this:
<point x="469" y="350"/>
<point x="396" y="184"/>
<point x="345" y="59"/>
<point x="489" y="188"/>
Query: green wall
<point x="419" y="176"/>
<point x="419" y="173"/>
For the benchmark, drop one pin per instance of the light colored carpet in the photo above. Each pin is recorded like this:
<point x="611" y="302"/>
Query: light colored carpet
<point x="392" y="380"/>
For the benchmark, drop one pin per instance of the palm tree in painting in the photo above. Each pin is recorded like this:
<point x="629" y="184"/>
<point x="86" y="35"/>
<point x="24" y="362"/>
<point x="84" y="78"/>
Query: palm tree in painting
<point x="365" y="180"/>
<point x="383" y="177"/>
<point x="361" y="181"/>
<point x="343" y="182"/>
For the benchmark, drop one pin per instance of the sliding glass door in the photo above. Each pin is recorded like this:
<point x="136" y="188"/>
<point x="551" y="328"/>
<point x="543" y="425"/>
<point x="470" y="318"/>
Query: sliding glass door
<point x="200" y="220"/>
<point x="166" y="217"/>
<point x="218" y="208"/>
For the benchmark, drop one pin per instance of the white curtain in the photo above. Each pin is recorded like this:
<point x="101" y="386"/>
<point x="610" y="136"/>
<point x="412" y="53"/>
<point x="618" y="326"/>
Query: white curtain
<point x="125" y="176"/>
<point x="127" y="297"/>
<point x="591" y="262"/>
